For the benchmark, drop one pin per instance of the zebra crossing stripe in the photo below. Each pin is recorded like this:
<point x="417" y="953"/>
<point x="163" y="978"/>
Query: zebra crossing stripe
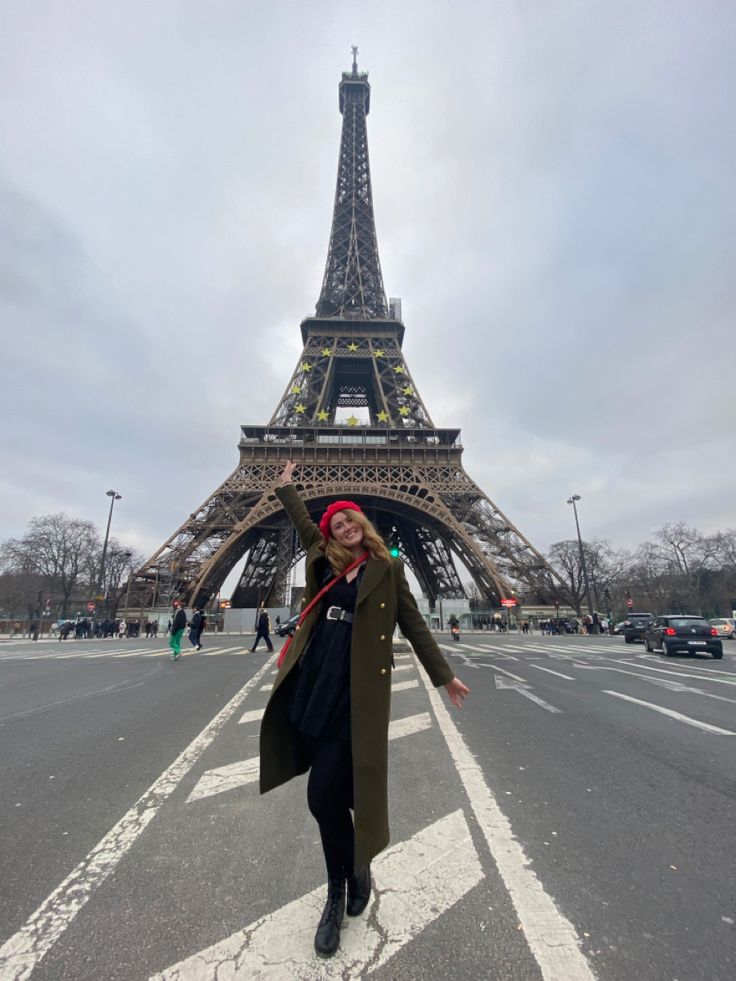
<point x="405" y="685"/>
<point x="415" y="882"/>
<point x="410" y="725"/>
<point x="213" y="651"/>
<point x="225" y="778"/>
<point x="255" y="716"/>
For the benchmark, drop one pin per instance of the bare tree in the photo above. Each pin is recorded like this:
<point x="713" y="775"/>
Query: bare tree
<point x="605" y="569"/>
<point x="687" y="556"/>
<point x="58" y="549"/>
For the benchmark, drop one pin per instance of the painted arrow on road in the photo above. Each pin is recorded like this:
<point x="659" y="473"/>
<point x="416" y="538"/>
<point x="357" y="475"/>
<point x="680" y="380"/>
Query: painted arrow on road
<point x="524" y="689"/>
<point x="416" y="881"/>
<point x="243" y="772"/>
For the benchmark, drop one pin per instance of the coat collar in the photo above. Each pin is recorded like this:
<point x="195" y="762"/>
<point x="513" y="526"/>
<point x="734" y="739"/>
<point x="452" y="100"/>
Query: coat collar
<point x="375" y="570"/>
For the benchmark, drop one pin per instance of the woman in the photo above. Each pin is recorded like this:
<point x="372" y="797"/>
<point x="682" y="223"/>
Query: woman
<point x="329" y="709"/>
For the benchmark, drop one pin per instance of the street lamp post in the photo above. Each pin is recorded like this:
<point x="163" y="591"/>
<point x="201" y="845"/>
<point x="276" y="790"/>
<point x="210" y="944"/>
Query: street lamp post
<point x="114" y="496"/>
<point x="573" y="500"/>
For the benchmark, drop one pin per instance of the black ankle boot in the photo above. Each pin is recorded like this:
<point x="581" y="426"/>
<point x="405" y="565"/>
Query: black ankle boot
<point x="327" y="937"/>
<point x="359" y="891"/>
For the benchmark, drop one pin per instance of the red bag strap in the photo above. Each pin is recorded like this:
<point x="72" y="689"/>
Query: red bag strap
<point x="313" y="602"/>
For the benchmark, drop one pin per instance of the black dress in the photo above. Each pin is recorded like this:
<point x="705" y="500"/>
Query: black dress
<point x="320" y="705"/>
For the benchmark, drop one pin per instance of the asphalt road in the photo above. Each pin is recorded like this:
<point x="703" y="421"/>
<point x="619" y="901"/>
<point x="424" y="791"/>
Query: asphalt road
<point x="575" y="821"/>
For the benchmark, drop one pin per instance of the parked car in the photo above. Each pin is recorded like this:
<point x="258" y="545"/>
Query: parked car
<point x="288" y="627"/>
<point x="635" y="625"/>
<point x="683" y="634"/>
<point x="725" y="627"/>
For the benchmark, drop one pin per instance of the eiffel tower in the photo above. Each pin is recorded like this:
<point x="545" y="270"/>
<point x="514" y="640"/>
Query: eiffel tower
<point x="352" y="419"/>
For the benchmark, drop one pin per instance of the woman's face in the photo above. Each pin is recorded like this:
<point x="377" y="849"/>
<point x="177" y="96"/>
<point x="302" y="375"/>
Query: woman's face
<point x="345" y="529"/>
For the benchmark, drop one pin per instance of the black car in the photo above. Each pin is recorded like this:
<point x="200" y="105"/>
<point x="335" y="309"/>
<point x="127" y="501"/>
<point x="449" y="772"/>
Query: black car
<point x="288" y="626"/>
<point x="684" y="634"/>
<point x="635" y="625"/>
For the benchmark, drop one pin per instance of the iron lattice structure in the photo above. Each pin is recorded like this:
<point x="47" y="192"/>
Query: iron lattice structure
<point x="386" y="454"/>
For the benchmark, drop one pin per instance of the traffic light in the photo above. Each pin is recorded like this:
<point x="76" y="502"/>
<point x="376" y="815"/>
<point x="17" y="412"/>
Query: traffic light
<point x="394" y="551"/>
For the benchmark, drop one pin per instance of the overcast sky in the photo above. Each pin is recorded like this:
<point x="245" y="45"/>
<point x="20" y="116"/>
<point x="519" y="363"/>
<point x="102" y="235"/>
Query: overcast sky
<point x="554" y="194"/>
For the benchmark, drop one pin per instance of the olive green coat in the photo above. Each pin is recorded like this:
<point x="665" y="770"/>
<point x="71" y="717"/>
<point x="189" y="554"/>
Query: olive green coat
<point x="383" y="600"/>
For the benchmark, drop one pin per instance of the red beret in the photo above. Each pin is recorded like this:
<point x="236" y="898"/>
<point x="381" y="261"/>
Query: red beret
<point x="324" y="521"/>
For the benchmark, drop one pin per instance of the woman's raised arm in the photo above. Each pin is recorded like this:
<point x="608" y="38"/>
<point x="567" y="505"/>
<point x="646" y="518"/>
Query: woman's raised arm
<point x="309" y="533"/>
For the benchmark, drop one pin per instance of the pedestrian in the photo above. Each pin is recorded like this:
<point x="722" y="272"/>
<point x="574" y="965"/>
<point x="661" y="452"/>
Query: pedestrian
<point x="122" y="627"/>
<point x="196" y="626"/>
<point x="329" y="709"/>
<point x="263" y="629"/>
<point x="178" y="624"/>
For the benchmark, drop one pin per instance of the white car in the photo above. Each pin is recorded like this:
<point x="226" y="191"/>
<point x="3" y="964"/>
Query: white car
<point x="725" y="627"/>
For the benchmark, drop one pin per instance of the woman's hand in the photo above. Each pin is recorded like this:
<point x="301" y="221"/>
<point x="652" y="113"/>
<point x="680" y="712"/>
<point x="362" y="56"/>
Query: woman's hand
<point x="457" y="692"/>
<point x="287" y="472"/>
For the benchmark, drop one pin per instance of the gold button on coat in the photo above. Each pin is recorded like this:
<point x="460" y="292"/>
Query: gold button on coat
<point x="383" y="636"/>
<point x="383" y="671"/>
<point x="382" y="605"/>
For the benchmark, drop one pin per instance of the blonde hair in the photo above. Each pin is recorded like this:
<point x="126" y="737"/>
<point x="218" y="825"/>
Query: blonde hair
<point x="340" y="557"/>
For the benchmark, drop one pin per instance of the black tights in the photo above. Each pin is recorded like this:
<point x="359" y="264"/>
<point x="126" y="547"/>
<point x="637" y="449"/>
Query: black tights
<point x="330" y="797"/>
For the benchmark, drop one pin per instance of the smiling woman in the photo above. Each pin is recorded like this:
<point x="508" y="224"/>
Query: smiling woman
<point x="329" y="709"/>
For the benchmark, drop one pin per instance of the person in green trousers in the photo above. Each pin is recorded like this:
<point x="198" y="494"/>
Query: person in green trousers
<point x="178" y="625"/>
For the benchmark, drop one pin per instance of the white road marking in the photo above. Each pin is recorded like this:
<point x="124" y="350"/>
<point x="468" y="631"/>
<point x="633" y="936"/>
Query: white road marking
<point x="253" y="716"/>
<point x="405" y="685"/>
<point x="559" y="674"/>
<point x="550" y="935"/>
<point x="677" y="674"/>
<point x="415" y="882"/>
<point x="523" y="689"/>
<point x="403" y="667"/>
<point x="214" y="651"/>
<point x="409" y="725"/>
<point x="24" y="950"/>
<point x="695" y="723"/>
<point x="268" y="687"/>
<point x="709" y="671"/>
<point x="243" y="772"/>
<point x="495" y="667"/>
<point x="496" y="651"/>
<point x="224" y="778"/>
<point x="660" y="682"/>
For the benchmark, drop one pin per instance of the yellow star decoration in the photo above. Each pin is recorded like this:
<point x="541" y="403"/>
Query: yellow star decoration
<point x="382" y="416"/>
<point x="352" y="421"/>
<point x="404" y="410"/>
<point x="378" y="354"/>
<point x="322" y="416"/>
<point x="306" y="367"/>
<point x="296" y="390"/>
<point x="301" y="409"/>
<point x="408" y="390"/>
<point x="352" y="346"/>
<point x="399" y="369"/>
<point x="326" y="352"/>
